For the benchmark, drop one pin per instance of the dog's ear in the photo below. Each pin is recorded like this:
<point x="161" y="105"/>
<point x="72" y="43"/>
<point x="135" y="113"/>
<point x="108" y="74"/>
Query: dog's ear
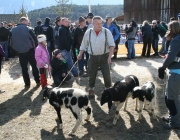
<point x="45" y="92"/>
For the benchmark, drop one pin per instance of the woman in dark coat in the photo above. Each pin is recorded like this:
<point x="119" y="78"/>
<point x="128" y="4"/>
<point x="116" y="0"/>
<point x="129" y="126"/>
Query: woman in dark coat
<point x="147" y="38"/>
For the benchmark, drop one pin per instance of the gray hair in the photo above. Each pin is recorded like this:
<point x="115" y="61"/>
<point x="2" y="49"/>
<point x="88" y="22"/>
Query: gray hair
<point x="64" y="18"/>
<point x="97" y="18"/>
<point x="154" y="21"/>
<point x="23" y="19"/>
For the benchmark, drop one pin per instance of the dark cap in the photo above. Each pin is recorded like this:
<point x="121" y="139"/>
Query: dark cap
<point x="47" y="19"/>
<point x="56" y="52"/>
<point x="81" y="19"/>
<point x="90" y="15"/>
<point x="58" y="18"/>
<point x="39" y="21"/>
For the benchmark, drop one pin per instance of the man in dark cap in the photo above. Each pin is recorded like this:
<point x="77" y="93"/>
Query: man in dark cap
<point x="78" y="36"/>
<point x="89" y="20"/>
<point x="47" y="30"/>
<point x="37" y="29"/>
<point x="56" y="29"/>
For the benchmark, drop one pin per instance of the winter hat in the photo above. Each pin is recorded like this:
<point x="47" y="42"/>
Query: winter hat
<point x="108" y="17"/>
<point x="58" y="18"/>
<point x="56" y="52"/>
<point x="47" y="19"/>
<point x="90" y="15"/>
<point x="41" y="38"/>
<point x="81" y="19"/>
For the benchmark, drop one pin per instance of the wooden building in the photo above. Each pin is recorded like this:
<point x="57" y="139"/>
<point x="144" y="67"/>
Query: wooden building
<point x="150" y="10"/>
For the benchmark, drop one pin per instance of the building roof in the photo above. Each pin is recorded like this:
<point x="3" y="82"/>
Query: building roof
<point x="9" y="17"/>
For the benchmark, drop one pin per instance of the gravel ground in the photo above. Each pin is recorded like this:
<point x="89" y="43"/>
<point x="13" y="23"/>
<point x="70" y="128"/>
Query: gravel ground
<point x="24" y="116"/>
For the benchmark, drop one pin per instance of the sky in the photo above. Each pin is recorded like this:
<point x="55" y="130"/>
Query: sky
<point x="9" y="6"/>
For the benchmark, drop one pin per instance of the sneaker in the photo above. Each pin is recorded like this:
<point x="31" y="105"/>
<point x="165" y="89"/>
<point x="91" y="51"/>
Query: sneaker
<point x="91" y="93"/>
<point x="85" y="75"/>
<point x="2" y="91"/>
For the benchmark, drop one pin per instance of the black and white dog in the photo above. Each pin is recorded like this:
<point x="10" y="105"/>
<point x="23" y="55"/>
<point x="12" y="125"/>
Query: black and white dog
<point x="72" y="98"/>
<point x="119" y="94"/>
<point x="146" y="95"/>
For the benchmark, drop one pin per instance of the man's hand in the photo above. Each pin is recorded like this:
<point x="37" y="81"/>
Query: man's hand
<point x="109" y="60"/>
<point x="79" y="57"/>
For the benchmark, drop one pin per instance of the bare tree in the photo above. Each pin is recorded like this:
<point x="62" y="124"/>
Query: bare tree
<point x="62" y="8"/>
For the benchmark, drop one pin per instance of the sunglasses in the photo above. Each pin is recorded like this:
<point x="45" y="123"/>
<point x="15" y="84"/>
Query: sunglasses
<point x="154" y="23"/>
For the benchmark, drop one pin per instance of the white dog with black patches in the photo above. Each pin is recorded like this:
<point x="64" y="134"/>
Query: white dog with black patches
<point x="146" y="95"/>
<point x="72" y="98"/>
<point x="119" y="94"/>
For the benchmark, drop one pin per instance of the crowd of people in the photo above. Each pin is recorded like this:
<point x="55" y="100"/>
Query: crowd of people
<point x="53" y="51"/>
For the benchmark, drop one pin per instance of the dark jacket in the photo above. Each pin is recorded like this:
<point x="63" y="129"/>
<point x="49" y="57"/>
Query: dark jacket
<point x="146" y="30"/>
<point x="64" y="38"/>
<point x="48" y="31"/>
<point x="78" y="36"/>
<point x="173" y="51"/>
<point x="155" y="32"/>
<point x="4" y="34"/>
<point x="22" y="39"/>
<point x="58" y="67"/>
<point x="162" y="30"/>
<point x="37" y="30"/>
<point x="2" y="53"/>
<point x="56" y="29"/>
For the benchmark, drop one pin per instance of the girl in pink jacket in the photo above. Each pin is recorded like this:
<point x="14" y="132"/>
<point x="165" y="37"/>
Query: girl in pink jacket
<point x="42" y="59"/>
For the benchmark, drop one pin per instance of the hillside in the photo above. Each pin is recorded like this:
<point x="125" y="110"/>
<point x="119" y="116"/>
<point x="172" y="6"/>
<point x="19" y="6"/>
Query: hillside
<point x="77" y="10"/>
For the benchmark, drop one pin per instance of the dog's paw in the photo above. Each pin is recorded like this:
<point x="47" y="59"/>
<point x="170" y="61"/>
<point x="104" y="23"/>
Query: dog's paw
<point x="60" y="126"/>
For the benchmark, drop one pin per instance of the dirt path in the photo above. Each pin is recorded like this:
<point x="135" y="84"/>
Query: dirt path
<point x="23" y="116"/>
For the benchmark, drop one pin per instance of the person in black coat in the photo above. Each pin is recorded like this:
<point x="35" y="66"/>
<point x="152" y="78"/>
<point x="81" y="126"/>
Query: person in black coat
<point x="47" y="30"/>
<point x="59" y="68"/>
<point x="155" y="41"/>
<point x="147" y="38"/>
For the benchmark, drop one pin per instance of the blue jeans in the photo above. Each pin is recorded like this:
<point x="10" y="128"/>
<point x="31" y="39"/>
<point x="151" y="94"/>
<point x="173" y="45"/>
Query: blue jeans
<point x="49" y="48"/>
<point x="131" y="50"/>
<point x="81" y="62"/>
<point x="163" y="49"/>
<point x="5" y="45"/>
<point x="58" y="79"/>
<point x="68" y="57"/>
<point x="155" y="46"/>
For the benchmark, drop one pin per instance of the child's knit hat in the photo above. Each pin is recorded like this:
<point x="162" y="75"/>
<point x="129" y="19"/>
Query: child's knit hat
<point x="41" y="38"/>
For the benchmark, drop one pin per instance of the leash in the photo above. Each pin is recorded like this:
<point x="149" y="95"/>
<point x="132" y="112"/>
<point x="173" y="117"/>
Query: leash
<point x="69" y="73"/>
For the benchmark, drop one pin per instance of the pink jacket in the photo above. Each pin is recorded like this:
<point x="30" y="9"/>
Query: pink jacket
<point x="41" y="56"/>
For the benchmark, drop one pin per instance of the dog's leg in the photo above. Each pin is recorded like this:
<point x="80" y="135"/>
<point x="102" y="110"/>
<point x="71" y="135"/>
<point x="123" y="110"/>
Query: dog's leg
<point x="125" y="106"/>
<point x="136" y="108"/>
<point x="77" y="114"/>
<point x="88" y="110"/>
<point x="145" y="103"/>
<point x="117" y="113"/>
<point x="140" y="109"/>
<point x="58" y="110"/>
<point x="152" y="108"/>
